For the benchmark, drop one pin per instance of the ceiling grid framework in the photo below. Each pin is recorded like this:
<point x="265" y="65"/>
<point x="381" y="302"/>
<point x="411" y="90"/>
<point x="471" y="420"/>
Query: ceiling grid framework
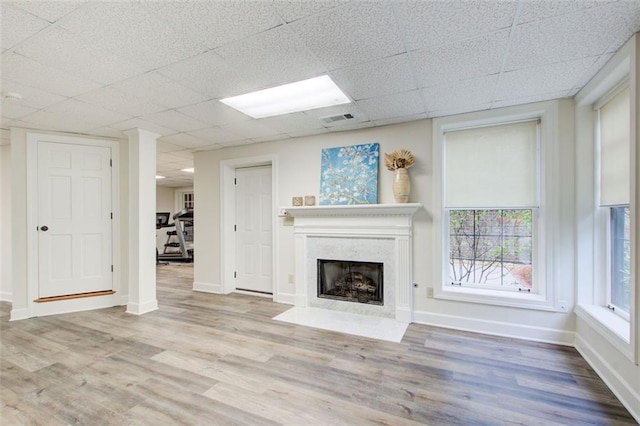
<point x="100" y="68"/>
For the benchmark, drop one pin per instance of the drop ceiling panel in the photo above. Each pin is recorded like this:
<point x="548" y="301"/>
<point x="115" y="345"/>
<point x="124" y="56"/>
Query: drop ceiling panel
<point x="31" y="97"/>
<point x="539" y="10"/>
<point x="49" y="10"/>
<point x="292" y="122"/>
<point x="351" y="34"/>
<point x="233" y="20"/>
<point x="123" y="102"/>
<point x="185" y="140"/>
<point x="87" y="112"/>
<point x="138" y="123"/>
<point x="59" y="49"/>
<point x="462" y="60"/>
<point x="57" y="121"/>
<point x="396" y="105"/>
<point x="12" y="109"/>
<point x="214" y="113"/>
<point x="473" y="92"/>
<point x="175" y="120"/>
<point x="250" y="129"/>
<point x="167" y="147"/>
<point x="216" y="135"/>
<point x="271" y="58"/>
<point x="18" y="25"/>
<point x="31" y="73"/>
<point x="377" y="78"/>
<point x="560" y="39"/>
<point x="292" y="10"/>
<point x="158" y="89"/>
<point x="127" y="29"/>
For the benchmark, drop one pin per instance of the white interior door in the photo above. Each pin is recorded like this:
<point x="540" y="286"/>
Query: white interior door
<point x="74" y="219"/>
<point x="253" y="230"/>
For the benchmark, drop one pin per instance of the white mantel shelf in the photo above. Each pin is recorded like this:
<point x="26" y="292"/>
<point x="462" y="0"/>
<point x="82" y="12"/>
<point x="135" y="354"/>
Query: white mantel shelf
<point x="406" y="209"/>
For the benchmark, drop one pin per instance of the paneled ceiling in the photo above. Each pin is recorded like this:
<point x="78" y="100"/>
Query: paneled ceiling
<point x="99" y="68"/>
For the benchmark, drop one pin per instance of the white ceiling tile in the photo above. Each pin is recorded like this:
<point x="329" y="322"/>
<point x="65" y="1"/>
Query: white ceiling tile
<point x="49" y="10"/>
<point x="396" y="105"/>
<point x="459" y="110"/>
<point x="216" y="135"/>
<point x="354" y="126"/>
<point x="138" y="123"/>
<point x="238" y="143"/>
<point x="563" y="38"/>
<point x="214" y="113"/>
<point x="403" y="119"/>
<point x="160" y="90"/>
<point x="350" y="108"/>
<point x="250" y="129"/>
<point x="185" y="140"/>
<point x="87" y="112"/>
<point x="351" y="34"/>
<point x="530" y="99"/>
<point x="108" y="132"/>
<point x="126" y="29"/>
<point x="376" y="78"/>
<point x="167" y="147"/>
<point x="57" y="121"/>
<point x="544" y="9"/>
<point x="588" y="74"/>
<point x="292" y="10"/>
<point x="303" y="133"/>
<point x="12" y="109"/>
<point x="533" y="81"/>
<point x="216" y="23"/>
<point x="477" y="91"/>
<point x="59" y="49"/>
<point x="208" y="74"/>
<point x="18" y="26"/>
<point x="31" y="73"/>
<point x="211" y="147"/>
<point x="123" y="102"/>
<point x="31" y="97"/>
<point x="461" y="60"/>
<point x="426" y="24"/>
<point x="271" y="58"/>
<point x="174" y="120"/>
<point x="292" y="122"/>
<point x="275" y="138"/>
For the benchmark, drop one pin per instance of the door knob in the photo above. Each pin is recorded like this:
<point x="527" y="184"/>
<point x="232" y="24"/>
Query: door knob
<point x="44" y="228"/>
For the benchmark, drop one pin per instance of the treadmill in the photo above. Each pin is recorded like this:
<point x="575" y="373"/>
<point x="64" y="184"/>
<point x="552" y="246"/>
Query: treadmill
<point x="179" y="244"/>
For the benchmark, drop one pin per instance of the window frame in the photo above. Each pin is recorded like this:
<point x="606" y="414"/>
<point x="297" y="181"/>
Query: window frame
<point x="609" y="267"/>
<point x="546" y="215"/>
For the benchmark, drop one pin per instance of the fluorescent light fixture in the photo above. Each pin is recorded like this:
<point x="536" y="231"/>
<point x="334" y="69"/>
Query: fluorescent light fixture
<point x="189" y="170"/>
<point x="302" y="95"/>
<point x="159" y="177"/>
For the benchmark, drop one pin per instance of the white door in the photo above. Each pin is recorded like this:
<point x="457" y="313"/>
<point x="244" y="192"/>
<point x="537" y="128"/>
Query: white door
<point x="74" y="219"/>
<point x="253" y="229"/>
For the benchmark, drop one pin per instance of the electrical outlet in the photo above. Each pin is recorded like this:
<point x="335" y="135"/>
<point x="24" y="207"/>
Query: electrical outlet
<point x="292" y="279"/>
<point x="563" y="305"/>
<point x="430" y="292"/>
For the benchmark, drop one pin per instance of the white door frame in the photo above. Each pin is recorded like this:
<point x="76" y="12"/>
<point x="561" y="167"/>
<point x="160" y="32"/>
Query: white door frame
<point x="49" y="308"/>
<point x="228" y="218"/>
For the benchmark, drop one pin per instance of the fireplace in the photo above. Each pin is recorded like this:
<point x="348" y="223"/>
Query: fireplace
<point x="351" y="281"/>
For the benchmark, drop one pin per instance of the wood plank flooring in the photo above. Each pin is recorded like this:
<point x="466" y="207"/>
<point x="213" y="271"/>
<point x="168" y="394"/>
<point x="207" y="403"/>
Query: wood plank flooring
<point x="206" y="359"/>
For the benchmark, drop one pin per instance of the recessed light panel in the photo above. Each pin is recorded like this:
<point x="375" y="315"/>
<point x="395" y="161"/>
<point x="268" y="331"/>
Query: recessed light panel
<point x="303" y="95"/>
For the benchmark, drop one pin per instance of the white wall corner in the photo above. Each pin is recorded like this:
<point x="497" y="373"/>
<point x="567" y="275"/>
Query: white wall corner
<point x="207" y="287"/>
<point x="620" y="387"/>
<point x="142" y="308"/>
<point x="20" y="314"/>
<point x="496" y="328"/>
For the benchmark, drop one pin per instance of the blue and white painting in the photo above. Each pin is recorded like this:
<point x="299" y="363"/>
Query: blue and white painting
<point x="349" y="175"/>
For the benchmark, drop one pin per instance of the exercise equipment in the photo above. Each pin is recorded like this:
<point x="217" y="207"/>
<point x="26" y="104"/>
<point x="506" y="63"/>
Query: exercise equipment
<point x="179" y="244"/>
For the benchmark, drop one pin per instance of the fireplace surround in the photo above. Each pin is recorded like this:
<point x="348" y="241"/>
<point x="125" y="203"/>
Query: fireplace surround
<point x="373" y="233"/>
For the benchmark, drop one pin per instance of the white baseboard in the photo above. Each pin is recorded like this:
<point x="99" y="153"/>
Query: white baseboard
<point x="286" y="298"/>
<point x="618" y="385"/>
<point x="496" y="328"/>
<point x="207" y="287"/>
<point x="5" y="297"/>
<point x="19" y="314"/>
<point x="142" y="308"/>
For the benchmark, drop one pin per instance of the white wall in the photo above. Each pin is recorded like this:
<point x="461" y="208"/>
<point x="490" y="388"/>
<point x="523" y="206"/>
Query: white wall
<point x="5" y="223"/>
<point x="299" y="174"/>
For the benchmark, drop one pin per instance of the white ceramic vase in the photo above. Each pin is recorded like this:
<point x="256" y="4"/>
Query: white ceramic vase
<point x="401" y="186"/>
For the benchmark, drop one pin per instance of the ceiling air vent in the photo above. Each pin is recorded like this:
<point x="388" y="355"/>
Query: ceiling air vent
<point x="335" y="118"/>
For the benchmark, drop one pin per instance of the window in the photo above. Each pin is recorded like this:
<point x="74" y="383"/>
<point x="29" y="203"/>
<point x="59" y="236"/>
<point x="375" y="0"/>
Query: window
<point x="491" y="248"/>
<point x="619" y="293"/>
<point x="615" y="150"/>
<point x="491" y="204"/>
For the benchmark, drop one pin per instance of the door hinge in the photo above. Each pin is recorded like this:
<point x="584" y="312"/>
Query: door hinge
<point x="235" y="181"/>
<point x="234" y="274"/>
<point x="112" y="215"/>
<point x="110" y="162"/>
<point x="111" y="268"/>
<point x="235" y="228"/>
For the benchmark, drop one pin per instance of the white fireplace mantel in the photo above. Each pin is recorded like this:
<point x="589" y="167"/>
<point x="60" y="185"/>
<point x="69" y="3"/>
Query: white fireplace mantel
<point x="360" y="233"/>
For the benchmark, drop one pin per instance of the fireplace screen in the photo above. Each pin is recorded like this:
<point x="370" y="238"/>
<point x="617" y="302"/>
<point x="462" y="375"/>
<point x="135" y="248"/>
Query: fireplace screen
<point x="350" y="281"/>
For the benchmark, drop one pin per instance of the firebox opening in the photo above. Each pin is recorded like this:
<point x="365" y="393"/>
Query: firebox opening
<point x="351" y="281"/>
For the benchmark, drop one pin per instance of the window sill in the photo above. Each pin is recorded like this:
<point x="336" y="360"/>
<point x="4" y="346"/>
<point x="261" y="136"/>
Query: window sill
<point x="496" y="297"/>
<point x="611" y="326"/>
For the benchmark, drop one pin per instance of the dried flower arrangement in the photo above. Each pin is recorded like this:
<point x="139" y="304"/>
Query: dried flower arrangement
<point x="401" y="159"/>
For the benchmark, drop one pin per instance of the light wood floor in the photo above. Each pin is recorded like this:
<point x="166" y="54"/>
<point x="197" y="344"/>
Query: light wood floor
<point x="212" y="360"/>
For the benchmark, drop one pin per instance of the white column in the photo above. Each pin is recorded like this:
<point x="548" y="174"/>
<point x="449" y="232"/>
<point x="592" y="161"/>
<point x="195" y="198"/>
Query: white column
<point x="142" y="227"/>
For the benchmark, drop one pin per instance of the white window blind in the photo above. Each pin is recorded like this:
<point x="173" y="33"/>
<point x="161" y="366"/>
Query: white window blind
<point x="615" y="150"/>
<point x="494" y="166"/>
